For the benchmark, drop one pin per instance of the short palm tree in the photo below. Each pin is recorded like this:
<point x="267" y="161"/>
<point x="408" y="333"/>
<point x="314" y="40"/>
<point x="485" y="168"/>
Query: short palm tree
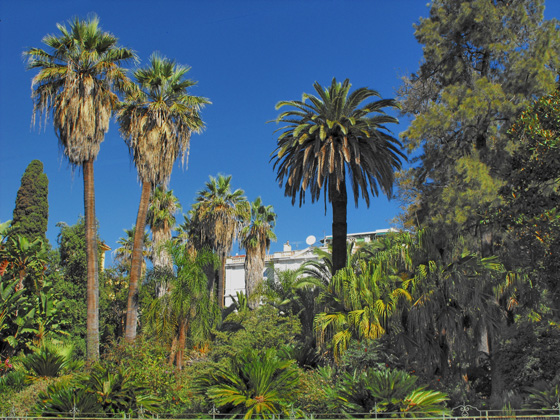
<point x="330" y="140"/>
<point x="77" y="81"/>
<point x="156" y="120"/>
<point x="161" y="219"/>
<point x="255" y="238"/>
<point x="186" y="311"/>
<point x="218" y="215"/>
<point x="123" y="254"/>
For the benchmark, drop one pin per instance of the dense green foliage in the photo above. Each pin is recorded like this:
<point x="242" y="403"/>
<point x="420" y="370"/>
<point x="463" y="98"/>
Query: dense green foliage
<point x="461" y="307"/>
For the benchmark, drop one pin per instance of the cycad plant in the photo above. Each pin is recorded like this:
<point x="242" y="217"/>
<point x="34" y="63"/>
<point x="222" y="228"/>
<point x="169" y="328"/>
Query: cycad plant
<point x="64" y="397"/>
<point x="257" y="385"/>
<point x="48" y="360"/>
<point x="118" y="391"/>
<point x="388" y="391"/>
<point x="542" y="396"/>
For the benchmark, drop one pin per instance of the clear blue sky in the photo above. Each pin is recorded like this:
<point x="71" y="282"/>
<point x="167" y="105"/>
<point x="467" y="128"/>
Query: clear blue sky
<point x="246" y="56"/>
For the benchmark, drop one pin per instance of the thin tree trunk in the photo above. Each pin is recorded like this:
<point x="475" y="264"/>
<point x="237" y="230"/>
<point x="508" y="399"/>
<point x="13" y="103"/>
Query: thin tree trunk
<point x="136" y="264"/>
<point x="339" y="226"/>
<point x="161" y="257"/>
<point x="92" y="331"/>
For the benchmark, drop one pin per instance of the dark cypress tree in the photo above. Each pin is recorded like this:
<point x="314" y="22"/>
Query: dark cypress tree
<point x="31" y="213"/>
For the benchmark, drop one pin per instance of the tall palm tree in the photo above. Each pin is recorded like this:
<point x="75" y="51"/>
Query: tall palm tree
<point x="156" y="120"/>
<point x="255" y="238"/>
<point x="333" y="139"/>
<point x="161" y="219"/>
<point x="219" y="215"/>
<point x="77" y="81"/>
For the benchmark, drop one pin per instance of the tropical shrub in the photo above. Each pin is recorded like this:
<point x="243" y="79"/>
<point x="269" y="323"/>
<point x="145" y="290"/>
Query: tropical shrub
<point x="542" y="396"/>
<point x="257" y="329"/>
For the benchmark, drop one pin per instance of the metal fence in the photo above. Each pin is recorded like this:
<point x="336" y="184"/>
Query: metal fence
<point x="462" y="412"/>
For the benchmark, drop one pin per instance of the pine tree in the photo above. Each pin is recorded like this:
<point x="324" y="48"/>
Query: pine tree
<point x="484" y="62"/>
<point x="31" y="213"/>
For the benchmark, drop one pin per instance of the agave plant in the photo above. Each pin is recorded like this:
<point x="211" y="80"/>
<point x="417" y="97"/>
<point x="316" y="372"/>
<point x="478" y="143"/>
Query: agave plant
<point x="259" y="384"/>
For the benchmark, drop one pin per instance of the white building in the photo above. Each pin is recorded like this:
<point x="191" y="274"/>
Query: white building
<point x="287" y="259"/>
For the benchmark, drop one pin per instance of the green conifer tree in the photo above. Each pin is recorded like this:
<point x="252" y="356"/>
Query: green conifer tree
<point x="31" y="213"/>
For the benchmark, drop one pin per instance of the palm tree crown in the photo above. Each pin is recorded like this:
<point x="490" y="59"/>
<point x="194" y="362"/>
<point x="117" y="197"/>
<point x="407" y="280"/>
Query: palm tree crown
<point x="330" y="136"/>
<point x="259" y="232"/>
<point x="77" y="80"/>
<point x="219" y="215"/>
<point x="158" y="118"/>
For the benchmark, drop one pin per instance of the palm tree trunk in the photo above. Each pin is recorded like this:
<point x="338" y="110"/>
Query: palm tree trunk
<point x="92" y="296"/>
<point x="339" y="226"/>
<point x="254" y="266"/>
<point x="136" y="264"/>
<point x="222" y="279"/>
<point x="181" y="344"/>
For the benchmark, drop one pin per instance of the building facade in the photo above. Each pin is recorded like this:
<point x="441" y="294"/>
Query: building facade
<point x="287" y="259"/>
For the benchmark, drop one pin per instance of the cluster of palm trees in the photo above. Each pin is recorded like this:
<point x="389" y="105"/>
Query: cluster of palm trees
<point x="82" y="82"/>
<point x="329" y="140"/>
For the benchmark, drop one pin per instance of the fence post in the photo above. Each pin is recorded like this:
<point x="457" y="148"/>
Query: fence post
<point x="74" y="411"/>
<point x="213" y="412"/>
